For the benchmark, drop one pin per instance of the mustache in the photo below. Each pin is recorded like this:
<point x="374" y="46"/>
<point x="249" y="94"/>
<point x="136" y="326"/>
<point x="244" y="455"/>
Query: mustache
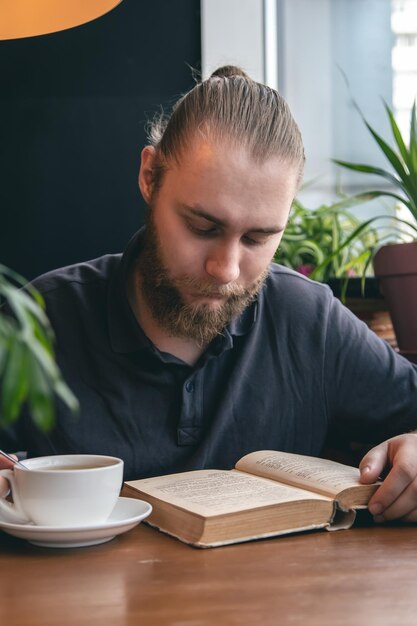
<point x="207" y="288"/>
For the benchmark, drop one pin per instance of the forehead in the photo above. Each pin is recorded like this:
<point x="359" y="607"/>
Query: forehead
<point x="227" y="181"/>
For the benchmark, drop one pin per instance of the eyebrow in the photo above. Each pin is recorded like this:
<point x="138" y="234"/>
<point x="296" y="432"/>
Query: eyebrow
<point x="199" y="212"/>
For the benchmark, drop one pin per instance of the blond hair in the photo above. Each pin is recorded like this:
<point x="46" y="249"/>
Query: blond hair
<point x="229" y="106"/>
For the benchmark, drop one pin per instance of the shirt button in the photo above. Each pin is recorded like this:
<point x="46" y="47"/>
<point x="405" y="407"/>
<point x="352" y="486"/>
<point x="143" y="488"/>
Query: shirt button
<point x="189" y="386"/>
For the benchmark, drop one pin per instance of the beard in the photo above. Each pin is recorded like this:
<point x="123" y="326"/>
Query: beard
<point x="162" y="293"/>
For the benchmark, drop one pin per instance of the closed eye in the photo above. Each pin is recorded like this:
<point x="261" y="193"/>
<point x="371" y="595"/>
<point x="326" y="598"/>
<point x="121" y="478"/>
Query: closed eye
<point x="203" y="232"/>
<point x="250" y="241"/>
<point x="214" y="231"/>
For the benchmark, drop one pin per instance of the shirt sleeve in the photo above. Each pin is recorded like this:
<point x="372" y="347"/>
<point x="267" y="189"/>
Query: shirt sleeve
<point x="370" y="390"/>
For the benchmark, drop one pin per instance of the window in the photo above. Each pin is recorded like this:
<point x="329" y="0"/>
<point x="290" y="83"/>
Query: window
<point x="328" y="52"/>
<point x="404" y="60"/>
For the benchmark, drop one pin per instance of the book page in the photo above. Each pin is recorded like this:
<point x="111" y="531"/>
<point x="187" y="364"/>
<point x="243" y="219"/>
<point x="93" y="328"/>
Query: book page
<point x="308" y="472"/>
<point x="215" y="492"/>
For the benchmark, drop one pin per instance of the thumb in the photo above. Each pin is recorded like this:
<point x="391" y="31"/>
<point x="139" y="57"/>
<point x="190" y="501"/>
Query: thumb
<point x="5" y="463"/>
<point x="373" y="463"/>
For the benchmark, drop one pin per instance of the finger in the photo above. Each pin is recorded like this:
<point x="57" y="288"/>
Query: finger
<point x="5" y="463"/>
<point x="411" y="517"/>
<point x="373" y="463"/>
<point x="404" y="507"/>
<point x="398" y="480"/>
<point x="4" y="484"/>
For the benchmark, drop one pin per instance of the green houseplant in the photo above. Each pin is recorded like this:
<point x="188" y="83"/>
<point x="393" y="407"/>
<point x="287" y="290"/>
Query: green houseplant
<point x="317" y="242"/>
<point x="28" y="371"/>
<point x="402" y="158"/>
<point x="395" y="264"/>
<point x="330" y="242"/>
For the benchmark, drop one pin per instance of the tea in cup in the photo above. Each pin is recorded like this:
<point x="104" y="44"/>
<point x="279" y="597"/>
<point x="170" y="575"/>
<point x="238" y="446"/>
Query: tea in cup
<point x="71" y="490"/>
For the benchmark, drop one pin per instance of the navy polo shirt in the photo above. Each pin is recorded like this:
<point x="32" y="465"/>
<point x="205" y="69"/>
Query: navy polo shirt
<point x="294" y="364"/>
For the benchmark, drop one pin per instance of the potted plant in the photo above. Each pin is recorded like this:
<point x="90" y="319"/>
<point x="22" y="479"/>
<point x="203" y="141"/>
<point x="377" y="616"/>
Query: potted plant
<point x="28" y="371"/>
<point x="395" y="264"/>
<point x="330" y="244"/>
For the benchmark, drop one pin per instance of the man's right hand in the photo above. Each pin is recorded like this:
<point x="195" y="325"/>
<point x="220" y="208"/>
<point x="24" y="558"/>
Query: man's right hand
<point x="4" y="485"/>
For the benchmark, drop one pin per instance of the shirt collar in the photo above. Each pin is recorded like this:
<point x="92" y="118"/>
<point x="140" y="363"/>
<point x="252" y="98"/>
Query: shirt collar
<point x="125" y="333"/>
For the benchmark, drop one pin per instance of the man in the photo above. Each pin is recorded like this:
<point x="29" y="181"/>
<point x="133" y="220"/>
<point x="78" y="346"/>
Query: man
<point x="192" y="350"/>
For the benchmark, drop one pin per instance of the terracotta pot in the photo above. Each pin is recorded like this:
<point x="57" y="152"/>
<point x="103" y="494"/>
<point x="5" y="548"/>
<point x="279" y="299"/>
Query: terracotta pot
<point x="396" y="267"/>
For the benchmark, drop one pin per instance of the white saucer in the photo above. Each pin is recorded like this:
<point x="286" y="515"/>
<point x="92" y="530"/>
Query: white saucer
<point x="127" y="513"/>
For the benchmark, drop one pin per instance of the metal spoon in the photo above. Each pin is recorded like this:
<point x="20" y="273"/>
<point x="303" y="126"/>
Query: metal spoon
<point x="13" y="460"/>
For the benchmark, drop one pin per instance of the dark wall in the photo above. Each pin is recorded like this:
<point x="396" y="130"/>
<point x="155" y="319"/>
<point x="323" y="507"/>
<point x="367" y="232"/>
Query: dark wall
<point x="73" y="107"/>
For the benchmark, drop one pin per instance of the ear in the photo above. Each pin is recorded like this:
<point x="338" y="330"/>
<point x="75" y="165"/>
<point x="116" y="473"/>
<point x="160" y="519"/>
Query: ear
<point x="146" y="173"/>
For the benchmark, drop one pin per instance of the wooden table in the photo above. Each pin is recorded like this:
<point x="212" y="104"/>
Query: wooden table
<point x="365" y="575"/>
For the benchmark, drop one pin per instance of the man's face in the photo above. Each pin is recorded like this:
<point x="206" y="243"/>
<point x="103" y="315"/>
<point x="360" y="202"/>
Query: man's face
<point x="213" y="228"/>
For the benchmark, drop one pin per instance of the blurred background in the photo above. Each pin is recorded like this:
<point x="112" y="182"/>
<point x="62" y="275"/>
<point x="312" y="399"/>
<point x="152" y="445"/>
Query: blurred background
<point x="74" y="104"/>
<point x="73" y="109"/>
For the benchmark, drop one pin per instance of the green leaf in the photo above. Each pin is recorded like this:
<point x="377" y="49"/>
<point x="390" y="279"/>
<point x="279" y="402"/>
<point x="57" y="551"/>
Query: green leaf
<point x="28" y="371"/>
<point x="404" y="163"/>
<point x="392" y="158"/>
<point x="40" y="396"/>
<point x="64" y="392"/>
<point x="26" y="309"/>
<point x="44" y="360"/>
<point x="51" y="373"/>
<point x="413" y="140"/>
<point x="398" y="138"/>
<point x="369" y="169"/>
<point x="3" y="356"/>
<point x="11" y="274"/>
<point x="370" y="195"/>
<point x="14" y="381"/>
<point x="345" y="243"/>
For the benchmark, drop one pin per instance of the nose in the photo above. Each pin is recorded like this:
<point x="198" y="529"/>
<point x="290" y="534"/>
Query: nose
<point x="223" y="263"/>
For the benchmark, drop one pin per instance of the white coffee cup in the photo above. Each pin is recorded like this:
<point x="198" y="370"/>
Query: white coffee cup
<point x="63" y="490"/>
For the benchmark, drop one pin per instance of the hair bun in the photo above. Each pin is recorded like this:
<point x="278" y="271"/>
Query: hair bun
<point x="226" y="71"/>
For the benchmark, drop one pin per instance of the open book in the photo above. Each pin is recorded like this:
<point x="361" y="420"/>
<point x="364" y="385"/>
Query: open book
<point x="268" y="493"/>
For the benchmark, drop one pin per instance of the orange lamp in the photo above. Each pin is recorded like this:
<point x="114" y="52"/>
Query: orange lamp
<point x="28" y="18"/>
